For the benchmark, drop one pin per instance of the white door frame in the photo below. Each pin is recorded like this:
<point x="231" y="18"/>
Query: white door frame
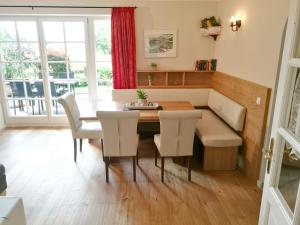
<point x="274" y="209"/>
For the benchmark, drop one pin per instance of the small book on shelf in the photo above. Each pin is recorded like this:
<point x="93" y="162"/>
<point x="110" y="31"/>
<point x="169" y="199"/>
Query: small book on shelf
<point x="206" y="65"/>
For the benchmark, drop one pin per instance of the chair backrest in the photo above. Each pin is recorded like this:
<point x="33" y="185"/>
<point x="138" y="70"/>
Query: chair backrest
<point x="53" y="89"/>
<point x="17" y="88"/>
<point x="177" y="130"/>
<point x="119" y="131"/>
<point x="39" y="88"/>
<point x="230" y="111"/>
<point x="62" y="75"/>
<point x="70" y="106"/>
<point x="29" y="89"/>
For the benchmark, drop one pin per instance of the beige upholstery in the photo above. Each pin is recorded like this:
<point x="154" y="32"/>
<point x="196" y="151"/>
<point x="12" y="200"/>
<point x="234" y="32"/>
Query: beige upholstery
<point x="230" y="111"/>
<point x="176" y="138"/>
<point x="120" y="136"/>
<point x="213" y="132"/>
<point x="197" y="97"/>
<point x="12" y="211"/>
<point x="91" y="130"/>
<point x="80" y="130"/>
<point x="177" y="129"/>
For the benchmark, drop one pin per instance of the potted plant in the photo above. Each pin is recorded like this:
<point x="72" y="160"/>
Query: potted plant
<point x="154" y="66"/>
<point x="141" y="96"/>
<point x="210" y="27"/>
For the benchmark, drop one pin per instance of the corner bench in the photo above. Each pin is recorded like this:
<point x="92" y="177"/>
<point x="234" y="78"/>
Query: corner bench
<point x="217" y="129"/>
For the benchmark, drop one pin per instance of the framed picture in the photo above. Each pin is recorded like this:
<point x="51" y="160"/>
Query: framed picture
<point x="160" y="43"/>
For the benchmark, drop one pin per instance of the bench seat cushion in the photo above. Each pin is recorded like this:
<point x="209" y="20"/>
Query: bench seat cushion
<point x="213" y="132"/>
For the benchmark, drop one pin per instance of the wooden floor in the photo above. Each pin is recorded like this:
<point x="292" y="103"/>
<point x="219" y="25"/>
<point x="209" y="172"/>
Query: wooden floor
<point x="56" y="190"/>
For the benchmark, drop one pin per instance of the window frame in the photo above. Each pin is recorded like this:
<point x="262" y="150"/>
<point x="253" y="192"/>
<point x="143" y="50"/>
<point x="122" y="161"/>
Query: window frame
<point x="50" y="118"/>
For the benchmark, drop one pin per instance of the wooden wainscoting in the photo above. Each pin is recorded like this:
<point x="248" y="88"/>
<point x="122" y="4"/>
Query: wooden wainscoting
<point x="245" y="93"/>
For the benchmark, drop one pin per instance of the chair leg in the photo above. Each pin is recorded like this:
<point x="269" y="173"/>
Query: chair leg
<point x="189" y="167"/>
<point x="56" y="107"/>
<point x="137" y="158"/>
<point x="134" y="168"/>
<point x="80" y="144"/>
<point x="39" y="106"/>
<point x="155" y="157"/>
<point x="106" y="169"/>
<point x="162" y="168"/>
<point x="14" y="105"/>
<point x="75" y="149"/>
<point x="102" y="148"/>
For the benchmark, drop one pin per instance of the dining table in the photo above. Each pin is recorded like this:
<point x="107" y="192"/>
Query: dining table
<point x="88" y="112"/>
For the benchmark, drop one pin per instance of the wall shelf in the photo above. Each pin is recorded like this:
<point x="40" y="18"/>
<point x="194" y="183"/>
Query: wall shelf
<point x="174" y="79"/>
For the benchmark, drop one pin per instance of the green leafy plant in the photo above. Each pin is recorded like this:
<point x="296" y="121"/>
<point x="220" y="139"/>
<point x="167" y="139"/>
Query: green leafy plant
<point x="209" y="22"/>
<point x="141" y="94"/>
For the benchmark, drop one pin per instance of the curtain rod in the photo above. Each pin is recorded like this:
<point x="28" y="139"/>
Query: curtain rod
<point x="62" y="7"/>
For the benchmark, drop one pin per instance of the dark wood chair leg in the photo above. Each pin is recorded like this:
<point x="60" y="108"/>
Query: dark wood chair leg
<point x="14" y="105"/>
<point x="155" y="157"/>
<point x="189" y="167"/>
<point x="106" y="169"/>
<point x="137" y="158"/>
<point x="102" y="148"/>
<point x="162" y="168"/>
<point x="75" y="149"/>
<point x="80" y="144"/>
<point x="134" y="168"/>
<point x="56" y="107"/>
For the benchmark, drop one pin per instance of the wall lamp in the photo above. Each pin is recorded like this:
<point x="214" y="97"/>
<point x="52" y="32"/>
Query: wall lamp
<point x="235" y="23"/>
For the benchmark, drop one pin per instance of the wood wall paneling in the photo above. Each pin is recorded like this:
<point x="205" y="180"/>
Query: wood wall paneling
<point x="245" y="93"/>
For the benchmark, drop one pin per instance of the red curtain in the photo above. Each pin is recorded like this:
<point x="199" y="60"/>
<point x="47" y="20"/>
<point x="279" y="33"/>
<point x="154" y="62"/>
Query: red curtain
<point x="123" y="48"/>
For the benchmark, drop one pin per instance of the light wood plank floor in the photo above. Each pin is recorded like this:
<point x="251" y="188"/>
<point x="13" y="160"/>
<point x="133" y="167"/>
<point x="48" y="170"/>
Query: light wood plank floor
<point x="56" y="190"/>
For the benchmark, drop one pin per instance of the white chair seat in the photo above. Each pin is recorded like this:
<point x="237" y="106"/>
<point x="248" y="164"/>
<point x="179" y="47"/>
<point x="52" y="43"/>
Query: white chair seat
<point x="213" y="132"/>
<point x="157" y="140"/>
<point x="120" y="138"/>
<point x="177" y="130"/>
<point x="12" y="211"/>
<point x="80" y="130"/>
<point x="91" y="130"/>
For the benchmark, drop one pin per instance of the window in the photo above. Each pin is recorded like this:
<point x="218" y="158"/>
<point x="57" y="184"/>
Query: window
<point x="103" y="57"/>
<point x="21" y="66"/>
<point x="66" y="60"/>
<point x="43" y="58"/>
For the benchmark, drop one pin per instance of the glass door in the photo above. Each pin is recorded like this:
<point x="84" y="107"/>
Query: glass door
<point x="66" y="60"/>
<point x="21" y="68"/>
<point x="103" y="57"/>
<point x="42" y="58"/>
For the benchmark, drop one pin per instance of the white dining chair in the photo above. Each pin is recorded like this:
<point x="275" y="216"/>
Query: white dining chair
<point x="120" y="138"/>
<point x="80" y="130"/>
<point x="176" y="138"/>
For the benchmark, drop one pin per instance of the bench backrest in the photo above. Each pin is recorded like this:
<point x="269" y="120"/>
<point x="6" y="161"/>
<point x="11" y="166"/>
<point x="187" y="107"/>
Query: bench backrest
<point x="197" y="97"/>
<point x="230" y="111"/>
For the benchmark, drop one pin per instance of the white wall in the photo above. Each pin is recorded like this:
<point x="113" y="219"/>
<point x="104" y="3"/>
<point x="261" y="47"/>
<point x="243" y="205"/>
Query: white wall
<point x="251" y="53"/>
<point x="186" y="18"/>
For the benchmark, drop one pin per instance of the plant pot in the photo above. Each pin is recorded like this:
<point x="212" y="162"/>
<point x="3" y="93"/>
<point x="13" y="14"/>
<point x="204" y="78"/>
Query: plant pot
<point x="214" y="30"/>
<point x="204" y="32"/>
<point x="142" y="101"/>
<point x="211" y="31"/>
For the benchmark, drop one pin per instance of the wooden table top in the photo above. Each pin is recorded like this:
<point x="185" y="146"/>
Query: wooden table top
<point x="89" y="112"/>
